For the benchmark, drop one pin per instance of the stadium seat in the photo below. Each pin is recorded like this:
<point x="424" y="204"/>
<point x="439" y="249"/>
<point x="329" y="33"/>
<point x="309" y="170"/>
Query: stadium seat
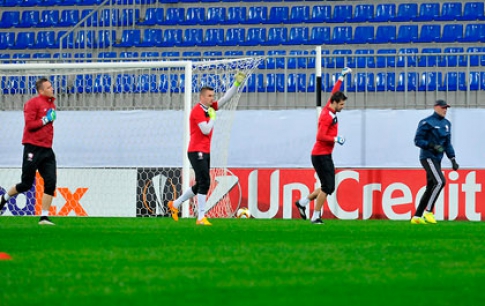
<point x="278" y="15"/>
<point x="451" y="81"/>
<point x="29" y="19"/>
<point x="151" y="38"/>
<point x="429" y="81"/>
<point x="299" y="14"/>
<point x="213" y="37"/>
<point x="474" y="33"/>
<point x="129" y="55"/>
<point x="236" y="15"/>
<point x="65" y="40"/>
<point x="63" y="56"/>
<point x="364" y="59"/>
<point x="430" y="33"/>
<point x="215" y="15"/>
<point x="475" y="81"/>
<point x="429" y="60"/>
<point x="341" y="35"/>
<point x="43" y="55"/>
<point x="407" y="81"/>
<point x="385" y="12"/>
<point x="145" y="83"/>
<point x="428" y="12"/>
<point x="325" y="59"/>
<point x="102" y="83"/>
<point x="257" y="14"/>
<point x="275" y="82"/>
<point x="24" y="40"/>
<point x="172" y="37"/>
<point x="257" y="53"/>
<point x="129" y="17"/>
<point x="452" y="33"/>
<point x="194" y="15"/>
<point x="234" y="36"/>
<point x="276" y="59"/>
<point x="174" y="16"/>
<point x="298" y="59"/>
<point x="170" y="55"/>
<point x="192" y="37"/>
<point x="297" y="36"/>
<point x="9" y="19"/>
<point x="83" y="83"/>
<point x="83" y="39"/>
<point x="321" y="14"/>
<point x="406" y="12"/>
<point x="450" y="60"/>
<point x="66" y="2"/>
<point x="149" y="55"/>
<point x="4" y="58"/>
<point x="46" y="40"/>
<point x="234" y="53"/>
<point x="363" y="13"/>
<point x="385" y="34"/>
<point x="124" y="83"/>
<point x="450" y="11"/>
<point x="473" y="11"/>
<point x="361" y="82"/>
<point x="153" y="16"/>
<point x="83" y="57"/>
<point x="48" y="18"/>
<point x="363" y="35"/>
<point x="129" y="38"/>
<point x="296" y="82"/>
<point x="343" y="58"/>
<point x="29" y="3"/>
<point x="476" y="59"/>
<point x="255" y="36"/>
<point x="341" y="14"/>
<point x="68" y="18"/>
<point x="407" y="58"/>
<point x="385" y="81"/>
<point x="388" y="60"/>
<point x="407" y="34"/>
<point x="20" y="57"/>
<point x="90" y="18"/>
<point x="192" y="55"/>
<point x="252" y="82"/>
<point x="105" y="38"/>
<point x="319" y="36"/>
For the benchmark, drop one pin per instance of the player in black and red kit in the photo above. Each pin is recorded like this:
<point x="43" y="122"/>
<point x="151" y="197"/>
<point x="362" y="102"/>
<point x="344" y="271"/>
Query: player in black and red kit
<point x="327" y="136"/>
<point x="39" y="115"/>
<point x="202" y="119"/>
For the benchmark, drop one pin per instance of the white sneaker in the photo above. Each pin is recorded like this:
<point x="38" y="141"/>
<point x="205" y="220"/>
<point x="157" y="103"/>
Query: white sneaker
<point x="45" y="221"/>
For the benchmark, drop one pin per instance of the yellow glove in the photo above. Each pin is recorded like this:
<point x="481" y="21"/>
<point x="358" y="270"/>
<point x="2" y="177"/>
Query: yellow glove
<point x="212" y="113"/>
<point x="240" y="77"/>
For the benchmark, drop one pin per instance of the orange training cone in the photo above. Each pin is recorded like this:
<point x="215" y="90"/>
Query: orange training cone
<point x="5" y="256"/>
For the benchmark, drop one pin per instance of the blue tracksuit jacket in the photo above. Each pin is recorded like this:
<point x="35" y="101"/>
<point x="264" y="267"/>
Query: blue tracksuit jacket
<point x="436" y="130"/>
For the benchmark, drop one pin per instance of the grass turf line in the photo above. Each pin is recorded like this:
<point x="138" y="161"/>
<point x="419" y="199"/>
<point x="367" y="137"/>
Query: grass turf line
<point x="142" y="261"/>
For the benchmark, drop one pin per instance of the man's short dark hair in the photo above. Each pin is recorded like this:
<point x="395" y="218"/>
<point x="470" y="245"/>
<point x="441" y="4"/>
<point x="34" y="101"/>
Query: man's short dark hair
<point x="337" y="97"/>
<point x="204" y="88"/>
<point x="40" y="83"/>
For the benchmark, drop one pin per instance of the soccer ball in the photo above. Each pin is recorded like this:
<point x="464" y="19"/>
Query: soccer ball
<point x="243" y="213"/>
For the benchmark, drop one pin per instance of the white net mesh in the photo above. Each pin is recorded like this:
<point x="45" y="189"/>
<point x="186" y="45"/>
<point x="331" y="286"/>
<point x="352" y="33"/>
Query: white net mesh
<point x="127" y="123"/>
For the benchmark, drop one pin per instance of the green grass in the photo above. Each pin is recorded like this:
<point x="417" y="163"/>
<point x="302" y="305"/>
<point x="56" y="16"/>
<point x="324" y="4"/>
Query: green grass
<point x="145" y="261"/>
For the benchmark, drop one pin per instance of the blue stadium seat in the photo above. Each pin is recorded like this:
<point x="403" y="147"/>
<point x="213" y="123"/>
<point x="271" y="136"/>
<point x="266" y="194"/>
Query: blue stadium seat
<point x="361" y="82"/>
<point x="325" y="59"/>
<point x="407" y="34"/>
<point x="83" y="57"/>
<point x="129" y="17"/>
<point x="257" y="14"/>
<point x="213" y="37"/>
<point x="236" y="15"/>
<point x="20" y="57"/>
<point x="278" y="14"/>
<point x="430" y="33"/>
<point x="105" y="38"/>
<point x="276" y="59"/>
<point x="475" y="60"/>
<point x="83" y="83"/>
<point x="451" y="80"/>
<point x="462" y="81"/>
<point x="385" y="12"/>
<point x="428" y="12"/>
<point x="364" y="59"/>
<point x="84" y="39"/>
<point x="172" y="37"/>
<point x="299" y="14"/>
<point x="65" y="40"/>
<point x="48" y="18"/>
<point x="255" y="82"/>
<point x="90" y="18"/>
<point x="452" y="33"/>
<point x="145" y="83"/>
<point x="129" y="55"/>
<point x="234" y="36"/>
<point x="275" y="82"/>
<point x="29" y="19"/>
<point x="194" y="15"/>
<point x="343" y="58"/>
<point x="24" y="40"/>
<point x="475" y="80"/>
<point x="129" y="38"/>
<point x="66" y="56"/>
<point x="450" y="11"/>
<point x="473" y="11"/>
<point x="43" y="55"/>
<point x="363" y="35"/>
<point x="174" y="16"/>
<point x="215" y="15"/>
<point x="68" y="18"/>
<point x="319" y="36"/>
<point x="233" y="53"/>
<point x="297" y="36"/>
<point x="46" y="40"/>
<point x="296" y="82"/>
<point x="385" y="81"/>
<point x="474" y="33"/>
<point x="407" y="58"/>
<point x="192" y="37"/>
<point x="151" y="38"/>
<point x="341" y="13"/>
<point x="341" y="35"/>
<point x="153" y="16"/>
<point x="363" y="13"/>
<point x="298" y="60"/>
<point x="257" y="53"/>
<point x="385" y="34"/>
<point x="9" y="19"/>
<point x="109" y="17"/>
<point x="29" y="3"/>
<point x="429" y="81"/>
<point x="4" y="58"/>
<point x="170" y="55"/>
<point x="102" y="83"/>
<point x="407" y="81"/>
<point x="66" y="2"/>
<point x="125" y="83"/>
<point x="450" y="60"/>
<point x="150" y="55"/>
<point x="388" y="60"/>
<point x="321" y="14"/>
<point x="255" y="36"/>
<point x="192" y="55"/>
<point x="406" y="12"/>
<point x="429" y="60"/>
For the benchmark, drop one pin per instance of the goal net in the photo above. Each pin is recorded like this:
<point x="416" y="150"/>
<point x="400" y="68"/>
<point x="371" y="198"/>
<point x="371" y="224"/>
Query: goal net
<point x="121" y="134"/>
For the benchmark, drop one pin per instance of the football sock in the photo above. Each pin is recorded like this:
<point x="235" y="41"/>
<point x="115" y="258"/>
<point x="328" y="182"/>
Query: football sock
<point x="45" y="213"/>
<point x="188" y="194"/>
<point x="304" y="201"/>
<point x="316" y="214"/>
<point x="201" y="204"/>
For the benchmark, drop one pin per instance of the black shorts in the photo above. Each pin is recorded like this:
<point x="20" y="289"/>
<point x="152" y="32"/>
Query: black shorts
<point x="201" y="164"/>
<point x="41" y="159"/>
<point x="325" y="169"/>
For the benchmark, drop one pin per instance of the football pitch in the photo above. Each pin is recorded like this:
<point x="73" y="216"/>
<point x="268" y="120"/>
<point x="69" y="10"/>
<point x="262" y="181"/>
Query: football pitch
<point x="156" y="261"/>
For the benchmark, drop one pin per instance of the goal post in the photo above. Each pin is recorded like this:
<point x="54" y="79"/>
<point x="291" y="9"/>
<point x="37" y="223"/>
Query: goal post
<point x="124" y="121"/>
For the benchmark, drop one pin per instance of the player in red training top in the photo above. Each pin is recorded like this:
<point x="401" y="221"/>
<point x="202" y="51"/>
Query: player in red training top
<point x="39" y="115"/>
<point x="327" y="136"/>
<point x="202" y="119"/>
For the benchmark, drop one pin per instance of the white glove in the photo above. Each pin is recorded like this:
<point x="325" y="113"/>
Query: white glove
<point x="345" y="71"/>
<point x="239" y="78"/>
<point x="340" y="140"/>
